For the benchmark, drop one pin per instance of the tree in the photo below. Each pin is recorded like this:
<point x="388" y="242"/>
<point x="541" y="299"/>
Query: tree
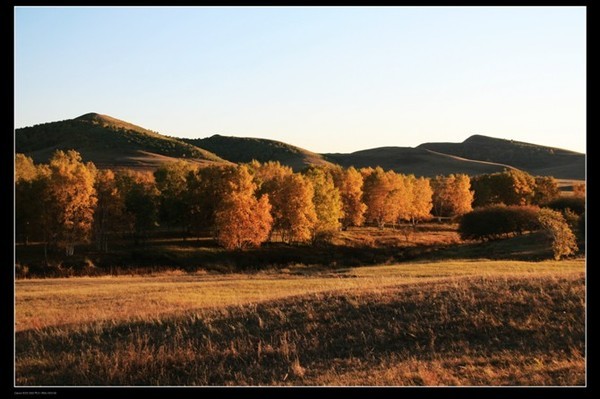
<point x="399" y="200"/>
<point x="349" y="182"/>
<point x="71" y="190"/>
<point x="205" y="191"/>
<point x="296" y="216"/>
<point x="452" y="195"/>
<point x="171" y="181"/>
<point x="376" y="188"/>
<point x="242" y="221"/>
<point x="511" y="187"/>
<point x="25" y="170"/>
<point x="579" y="190"/>
<point x="109" y="214"/>
<point x="31" y="204"/>
<point x="555" y="226"/>
<point x="291" y="198"/>
<point x="327" y="202"/>
<point x="421" y="202"/>
<point x="546" y="190"/>
<point x="141" y="202"/>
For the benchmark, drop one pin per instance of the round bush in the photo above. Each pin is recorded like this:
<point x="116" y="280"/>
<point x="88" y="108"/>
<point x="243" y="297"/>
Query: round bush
<point x="492" y="222"/>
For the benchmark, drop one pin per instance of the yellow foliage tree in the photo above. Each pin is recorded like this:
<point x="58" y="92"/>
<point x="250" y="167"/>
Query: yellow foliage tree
<point x="350" y="184"/>
<point x="452" y="195"/>
<point x="327" y="202"/>
<point x="421" y="202"/>
<point x="241" y="220"/>
<point x="71" y="189"/>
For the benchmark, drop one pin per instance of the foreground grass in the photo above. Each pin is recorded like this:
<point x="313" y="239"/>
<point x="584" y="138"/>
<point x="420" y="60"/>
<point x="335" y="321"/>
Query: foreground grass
<point x="69" y="302"/>
<point x="496" y="329"/>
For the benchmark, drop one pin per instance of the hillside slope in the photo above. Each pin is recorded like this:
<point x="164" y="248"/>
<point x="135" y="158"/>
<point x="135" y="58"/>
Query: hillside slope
<point x="418" y="161"/>
<point x="108" y="142"/>
<point x="245" y="149"/>
<point x="533" y="158"/>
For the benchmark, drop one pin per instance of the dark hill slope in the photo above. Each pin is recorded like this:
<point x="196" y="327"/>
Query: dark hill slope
<point x="245" y="149"/>
<point x="417" y="161"/>
<point x="108" y="142"/>
<point x="533" y="158"/>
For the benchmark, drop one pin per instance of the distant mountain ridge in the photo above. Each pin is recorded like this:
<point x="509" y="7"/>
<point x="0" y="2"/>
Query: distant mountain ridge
<point x="113" y="143"/>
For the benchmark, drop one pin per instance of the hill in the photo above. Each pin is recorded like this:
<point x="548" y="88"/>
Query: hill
<point x="108" y="142"/>
<point x="245" y="149"/>
<point x="418" y="161"/>
<point x="532" y="158"/>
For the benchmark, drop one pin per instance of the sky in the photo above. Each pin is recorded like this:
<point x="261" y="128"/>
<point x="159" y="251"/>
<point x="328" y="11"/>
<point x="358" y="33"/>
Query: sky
<point x="334" y="79"/>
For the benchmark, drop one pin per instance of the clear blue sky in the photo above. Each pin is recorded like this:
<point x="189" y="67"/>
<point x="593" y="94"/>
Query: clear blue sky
<point x="326" y="79"/>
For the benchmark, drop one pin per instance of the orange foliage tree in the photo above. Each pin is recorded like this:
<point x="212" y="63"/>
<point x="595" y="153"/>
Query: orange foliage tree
<point x="241" y="219"/>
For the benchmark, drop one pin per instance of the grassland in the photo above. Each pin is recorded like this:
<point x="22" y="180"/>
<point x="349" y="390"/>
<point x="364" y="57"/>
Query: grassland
<point x="475" y="322"/>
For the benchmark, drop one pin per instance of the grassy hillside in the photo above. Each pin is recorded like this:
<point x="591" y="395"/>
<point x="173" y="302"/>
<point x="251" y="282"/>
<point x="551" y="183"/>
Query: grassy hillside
<point x="533" y="158"/>
<point x="245" y="149"/>
<point x="108" y="142"/>
<point x="443" y="323"/>
<point x="418" y="161"/>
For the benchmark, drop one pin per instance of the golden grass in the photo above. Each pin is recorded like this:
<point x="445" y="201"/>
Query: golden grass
<point x="446" y="323"/>
<point x="70" y="301"/>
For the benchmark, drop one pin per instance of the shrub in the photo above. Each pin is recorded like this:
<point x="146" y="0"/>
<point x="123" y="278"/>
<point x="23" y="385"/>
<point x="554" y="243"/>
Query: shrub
<point x="575" y="204"/>
<point x="495" y="221"/>
<point x="555" y="226"/>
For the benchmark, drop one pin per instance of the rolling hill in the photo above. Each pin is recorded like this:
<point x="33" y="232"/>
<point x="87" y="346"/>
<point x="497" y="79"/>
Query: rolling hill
<point x="418" y="161"/>
<point x="532" y="158"/>
<point x="108" y="142"/>
<point x="245" y="149"/>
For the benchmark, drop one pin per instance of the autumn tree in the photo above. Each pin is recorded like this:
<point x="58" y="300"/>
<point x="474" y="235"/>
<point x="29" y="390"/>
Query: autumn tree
<point x="291" y="198"/>
<point x="579" y="190"/>
<point x="349" y="182"/>
<point x="71" y="190"/>
<point x="452" y="195"/>
<point x="511" y="187"/>
<point x="398" y="201"/>
<point x="546" y="190"/>
<point x="421" y="198"/>
<point x="141" y="202"/>
<point x="241" y="219"/>
<point x="327" y="202"/>
<point x="376" y="188"/>
<point x="204" y="193"/>
<point x="557" y="229"/>
<point x="171" y="181"/>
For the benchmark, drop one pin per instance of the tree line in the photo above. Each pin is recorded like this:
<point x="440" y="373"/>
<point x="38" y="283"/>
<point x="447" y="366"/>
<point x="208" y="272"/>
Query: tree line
<point x="68" y="202"/>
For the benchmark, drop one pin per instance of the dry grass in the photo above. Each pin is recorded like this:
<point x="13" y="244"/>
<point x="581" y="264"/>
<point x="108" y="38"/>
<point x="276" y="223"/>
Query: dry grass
<point x="428" y="324"/>
<point x="71" y="301"/>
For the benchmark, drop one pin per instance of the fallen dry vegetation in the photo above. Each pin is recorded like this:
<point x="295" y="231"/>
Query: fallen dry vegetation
<point x="444" y="323"/>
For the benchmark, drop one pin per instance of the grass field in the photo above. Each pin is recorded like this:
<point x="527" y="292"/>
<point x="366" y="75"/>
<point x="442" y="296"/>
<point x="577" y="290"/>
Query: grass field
<point x="475" y="322"/>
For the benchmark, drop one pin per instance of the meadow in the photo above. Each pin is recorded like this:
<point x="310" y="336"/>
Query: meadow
<point x="457" y="322"/>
